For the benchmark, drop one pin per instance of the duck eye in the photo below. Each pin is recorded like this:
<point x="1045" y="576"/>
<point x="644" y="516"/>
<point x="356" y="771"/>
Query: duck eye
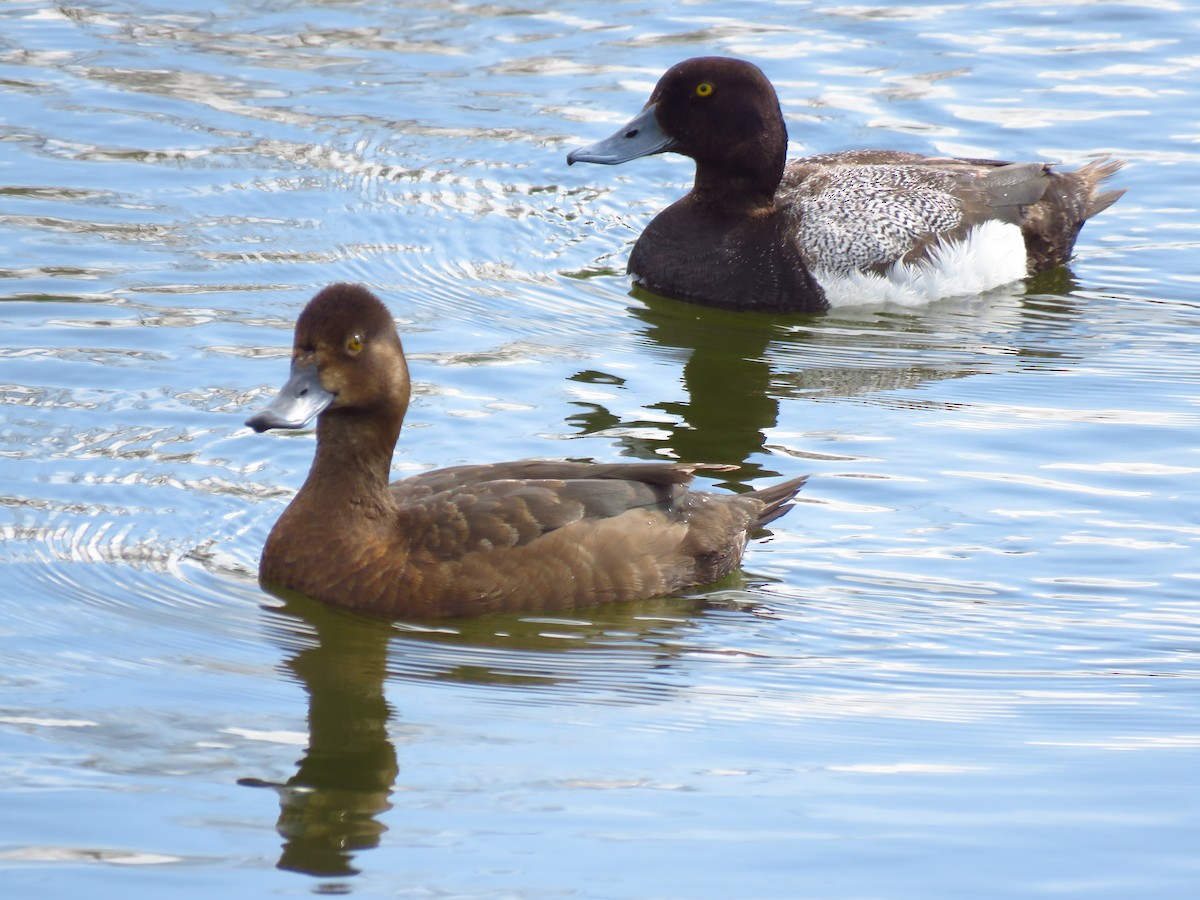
<point x="354" y="344"/>
<point x="704" y="89"/>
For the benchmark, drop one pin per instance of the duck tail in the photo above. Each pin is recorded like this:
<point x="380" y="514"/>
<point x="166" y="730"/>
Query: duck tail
<point x="1071" y="198"/>
<point x="776" y="499"/>
<point x="1095" y="172"/>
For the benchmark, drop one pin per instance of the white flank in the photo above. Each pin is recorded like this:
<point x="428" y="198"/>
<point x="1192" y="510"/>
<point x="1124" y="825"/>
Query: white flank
<point x="991" y="255"/>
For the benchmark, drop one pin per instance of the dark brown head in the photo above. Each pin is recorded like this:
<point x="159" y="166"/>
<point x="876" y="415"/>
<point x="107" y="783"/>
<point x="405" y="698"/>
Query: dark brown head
<point x="721" y="112"/>
<point x="346" y="361"/>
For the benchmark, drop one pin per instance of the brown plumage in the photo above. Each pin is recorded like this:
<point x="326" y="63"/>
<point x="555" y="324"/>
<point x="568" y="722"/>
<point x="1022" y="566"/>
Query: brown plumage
<point x="513" y="536"/>
<point x="758" y="232"/>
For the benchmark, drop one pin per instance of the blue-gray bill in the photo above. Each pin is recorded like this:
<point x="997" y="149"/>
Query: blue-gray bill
<point x="300" y="401"/>
<point x="641" y="136"/>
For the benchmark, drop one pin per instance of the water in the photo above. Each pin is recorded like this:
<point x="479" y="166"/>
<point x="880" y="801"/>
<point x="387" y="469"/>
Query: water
<point x="966" y="665"/>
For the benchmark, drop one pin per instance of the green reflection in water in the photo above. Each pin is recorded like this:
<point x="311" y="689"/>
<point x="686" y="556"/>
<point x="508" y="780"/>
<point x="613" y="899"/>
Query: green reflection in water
<point x="329" y="809"/>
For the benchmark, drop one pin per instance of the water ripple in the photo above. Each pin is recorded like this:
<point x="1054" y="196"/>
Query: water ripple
<point x="988" y="586"/>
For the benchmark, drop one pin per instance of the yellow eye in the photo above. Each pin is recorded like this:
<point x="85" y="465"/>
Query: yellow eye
<point x="354" y="344"/>
<point x="703" y="89"/>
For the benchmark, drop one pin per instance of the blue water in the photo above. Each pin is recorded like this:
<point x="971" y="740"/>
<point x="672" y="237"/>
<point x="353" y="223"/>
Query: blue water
<point x="967" y="665"/>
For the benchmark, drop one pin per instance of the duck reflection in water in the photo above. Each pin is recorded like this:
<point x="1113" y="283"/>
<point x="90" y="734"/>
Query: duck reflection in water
<point x="329" y="810"/>
<point x="736" y="366"/>
<point x="332" y="809"/>
<point x="728" y="408"/>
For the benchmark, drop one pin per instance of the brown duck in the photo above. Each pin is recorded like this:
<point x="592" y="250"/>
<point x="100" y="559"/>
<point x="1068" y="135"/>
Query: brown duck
<point x="860" y="226"/>
<point x="512" y="536"/>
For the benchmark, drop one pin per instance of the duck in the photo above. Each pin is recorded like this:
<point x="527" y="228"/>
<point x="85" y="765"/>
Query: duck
<point x="520" y="536"/>
<point x="843" y="228"/>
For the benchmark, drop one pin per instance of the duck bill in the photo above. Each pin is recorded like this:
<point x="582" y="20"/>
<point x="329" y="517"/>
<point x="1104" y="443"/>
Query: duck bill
<point x="641" y="136"/>
<point x="300" y="401"/>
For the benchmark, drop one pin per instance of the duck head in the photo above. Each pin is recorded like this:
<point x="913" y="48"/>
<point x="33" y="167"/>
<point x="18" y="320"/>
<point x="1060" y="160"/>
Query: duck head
<point x="721" y="112"/>
<point x="347" y="364"/>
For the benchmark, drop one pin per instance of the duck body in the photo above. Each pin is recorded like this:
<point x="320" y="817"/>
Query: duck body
<point x="860" y="226"/>
<point x="516" y="536"/>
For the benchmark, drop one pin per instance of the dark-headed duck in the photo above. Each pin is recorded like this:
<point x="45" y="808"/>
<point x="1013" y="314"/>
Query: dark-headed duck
<point x="512" y="536"/>
<point x="862" y="226"/>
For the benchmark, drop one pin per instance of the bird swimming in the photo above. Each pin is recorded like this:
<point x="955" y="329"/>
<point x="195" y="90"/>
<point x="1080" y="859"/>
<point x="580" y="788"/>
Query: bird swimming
<point x="861" y="226"/>
<point x="523" y="536"/>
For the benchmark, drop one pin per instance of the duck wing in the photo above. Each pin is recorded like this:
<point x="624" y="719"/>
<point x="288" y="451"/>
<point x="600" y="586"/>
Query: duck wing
<point x="565" y="535"/>
<point x="426" y="483"/>
<point x="453" y="511"/>
<point x="866" y="210"/>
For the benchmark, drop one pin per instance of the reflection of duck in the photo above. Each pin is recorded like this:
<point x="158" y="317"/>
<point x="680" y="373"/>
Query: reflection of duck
<point x="756" y="232"/>
<point x="738" y="366"/>
<point x="471" y="539"/>
<point x="729" y="405"/>
<point x="329" y="808"/>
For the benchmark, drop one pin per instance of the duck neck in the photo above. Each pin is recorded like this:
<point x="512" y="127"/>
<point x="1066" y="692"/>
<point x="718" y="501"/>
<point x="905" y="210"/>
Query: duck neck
<point x="732" y="194"/>
<point x="745" y="178"/>
<point x="352" y="466"/>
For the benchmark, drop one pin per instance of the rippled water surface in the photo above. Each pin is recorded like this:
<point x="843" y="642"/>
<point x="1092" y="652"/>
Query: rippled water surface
<point x="967" y="665"/>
